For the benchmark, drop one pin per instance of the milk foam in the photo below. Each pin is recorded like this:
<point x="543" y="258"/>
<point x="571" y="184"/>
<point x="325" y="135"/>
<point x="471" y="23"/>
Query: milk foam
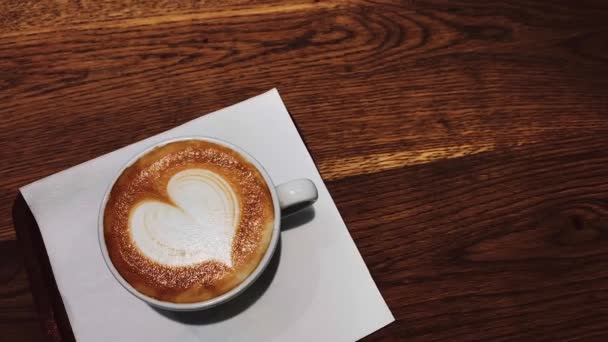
<point x="200" y="227"/>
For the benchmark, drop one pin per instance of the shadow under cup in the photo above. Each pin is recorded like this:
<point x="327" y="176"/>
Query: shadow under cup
<point x="287" y="199"/>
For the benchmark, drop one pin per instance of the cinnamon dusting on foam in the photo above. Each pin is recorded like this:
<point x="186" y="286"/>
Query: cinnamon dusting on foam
<point x="147" y="180"/>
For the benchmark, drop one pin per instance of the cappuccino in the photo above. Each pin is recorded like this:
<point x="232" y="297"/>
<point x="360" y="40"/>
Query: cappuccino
<point x="188" y="221"/>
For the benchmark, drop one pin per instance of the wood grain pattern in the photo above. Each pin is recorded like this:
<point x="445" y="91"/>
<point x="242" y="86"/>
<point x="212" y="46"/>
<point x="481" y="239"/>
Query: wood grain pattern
<point x="17" y="320"/>
<point x="463" y="141"/>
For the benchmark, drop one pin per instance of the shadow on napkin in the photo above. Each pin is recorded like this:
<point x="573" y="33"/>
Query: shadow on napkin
<point x="297" y="219"/>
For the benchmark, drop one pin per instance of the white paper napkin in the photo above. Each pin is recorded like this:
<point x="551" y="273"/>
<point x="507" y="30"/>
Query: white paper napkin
<point x="317" y="288"/>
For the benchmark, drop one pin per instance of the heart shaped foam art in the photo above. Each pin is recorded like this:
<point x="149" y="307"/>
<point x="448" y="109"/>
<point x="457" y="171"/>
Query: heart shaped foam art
<point x="199" y="227"/>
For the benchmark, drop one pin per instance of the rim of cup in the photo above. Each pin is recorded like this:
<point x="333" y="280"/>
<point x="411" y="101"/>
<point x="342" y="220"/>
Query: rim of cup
<point x="272" y="244"/>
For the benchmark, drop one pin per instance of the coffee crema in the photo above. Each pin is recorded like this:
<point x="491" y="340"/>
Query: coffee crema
<point x="188" y="221"/>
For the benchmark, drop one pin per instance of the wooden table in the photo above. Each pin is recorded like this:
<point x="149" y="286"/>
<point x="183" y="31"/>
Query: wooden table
<point x="464" y="142"/>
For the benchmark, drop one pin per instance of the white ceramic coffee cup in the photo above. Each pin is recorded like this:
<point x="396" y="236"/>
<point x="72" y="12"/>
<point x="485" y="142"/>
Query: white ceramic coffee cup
<point x="286" y="198"/>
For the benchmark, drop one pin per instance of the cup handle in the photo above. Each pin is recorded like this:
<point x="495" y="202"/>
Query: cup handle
<point x="296" y="195"/>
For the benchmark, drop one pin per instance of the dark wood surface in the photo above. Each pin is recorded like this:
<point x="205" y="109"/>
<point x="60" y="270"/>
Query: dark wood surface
<point x="464" y="142"/>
